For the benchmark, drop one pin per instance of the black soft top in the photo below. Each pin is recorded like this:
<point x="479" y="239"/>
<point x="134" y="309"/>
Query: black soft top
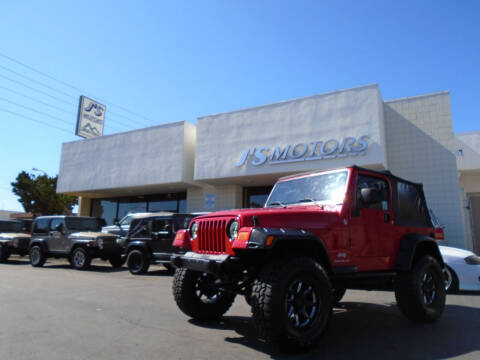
<point x="409" y="202"/>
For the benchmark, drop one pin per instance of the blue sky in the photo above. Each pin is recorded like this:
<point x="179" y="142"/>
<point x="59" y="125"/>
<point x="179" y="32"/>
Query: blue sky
<point x="154" y="62"/>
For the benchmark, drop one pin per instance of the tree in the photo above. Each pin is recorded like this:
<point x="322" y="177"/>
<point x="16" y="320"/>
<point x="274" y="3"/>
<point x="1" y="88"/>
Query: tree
<point x="38" y="195"/>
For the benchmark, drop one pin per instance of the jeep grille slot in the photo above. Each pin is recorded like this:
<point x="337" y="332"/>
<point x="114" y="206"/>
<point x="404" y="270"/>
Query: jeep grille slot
<point x="211" y="236"/>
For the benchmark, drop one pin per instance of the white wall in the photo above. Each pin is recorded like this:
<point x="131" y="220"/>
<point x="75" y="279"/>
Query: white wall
<point x="224" y="137"/>
<point x="469" y="143"/>
<point x="146" y="157"/>
<point x="420" y="147"/>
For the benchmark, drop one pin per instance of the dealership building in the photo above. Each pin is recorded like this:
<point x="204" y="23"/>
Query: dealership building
<point x="231" y="160"/>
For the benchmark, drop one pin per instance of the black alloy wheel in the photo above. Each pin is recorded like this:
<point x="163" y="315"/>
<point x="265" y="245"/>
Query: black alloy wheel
<point x="420" y="292"/>
<point x="197" y="296"/>
<point x="137" y="262"/>
<point x="292" y="302"/>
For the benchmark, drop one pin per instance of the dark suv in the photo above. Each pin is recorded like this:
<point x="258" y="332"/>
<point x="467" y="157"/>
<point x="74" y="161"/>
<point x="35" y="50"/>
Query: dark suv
<point x="149" y="239"/>
<point x="318" y="235"/>
<point x="13" y="239"/>
<point x="77" y="238"/>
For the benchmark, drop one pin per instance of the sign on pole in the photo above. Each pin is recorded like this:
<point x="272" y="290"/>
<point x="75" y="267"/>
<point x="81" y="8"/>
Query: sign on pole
<point x="90" y="120"/>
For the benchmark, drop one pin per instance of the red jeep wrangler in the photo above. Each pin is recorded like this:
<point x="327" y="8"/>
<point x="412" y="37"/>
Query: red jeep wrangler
<point x="318" y="234"/>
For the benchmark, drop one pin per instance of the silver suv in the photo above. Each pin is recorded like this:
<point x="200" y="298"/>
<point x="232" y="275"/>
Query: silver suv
<point x="77" y="238"/>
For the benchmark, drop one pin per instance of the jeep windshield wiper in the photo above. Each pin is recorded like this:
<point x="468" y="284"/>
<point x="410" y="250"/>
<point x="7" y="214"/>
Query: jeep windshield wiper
<point x="306" y="200"/>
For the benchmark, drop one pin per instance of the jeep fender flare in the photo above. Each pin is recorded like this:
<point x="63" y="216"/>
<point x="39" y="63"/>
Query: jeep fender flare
<point x="293" y="240"/>
<point x="412" y="247"/>
<point x="141" y="245"/>
<point x="40" y="242"/>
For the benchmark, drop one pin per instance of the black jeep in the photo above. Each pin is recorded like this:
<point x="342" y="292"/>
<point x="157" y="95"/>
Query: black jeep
<point x="13" y="239"/>
<point x="77" y="238"/>
<point x="149" y="239"/>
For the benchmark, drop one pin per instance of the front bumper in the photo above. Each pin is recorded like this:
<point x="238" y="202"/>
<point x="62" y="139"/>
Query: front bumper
<point x="207" y="263"/>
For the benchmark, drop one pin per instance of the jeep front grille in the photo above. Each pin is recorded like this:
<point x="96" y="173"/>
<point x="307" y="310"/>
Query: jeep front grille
<point x="212" y="236"/>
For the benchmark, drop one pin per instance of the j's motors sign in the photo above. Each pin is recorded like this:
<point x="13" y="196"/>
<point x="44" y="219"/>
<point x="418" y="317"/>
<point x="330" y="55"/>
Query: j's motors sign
<point x="91" y="117"/>
<point x="311" y="151"/>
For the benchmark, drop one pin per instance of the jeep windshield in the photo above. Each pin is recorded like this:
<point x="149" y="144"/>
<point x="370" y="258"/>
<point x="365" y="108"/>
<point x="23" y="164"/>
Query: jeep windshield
<point x="83" y="224"/>
<point x="11" y="227"/>
<point x="320" y="189"/>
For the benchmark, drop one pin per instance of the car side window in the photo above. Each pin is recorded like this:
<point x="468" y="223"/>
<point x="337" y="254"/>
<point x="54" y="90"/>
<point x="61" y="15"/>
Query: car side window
<point x="41" y="226"/>
<point x="162" y="226"/>
<point x="139" y="228"/>
<point x="54" y="223"/>
<point x="376" y="183"/>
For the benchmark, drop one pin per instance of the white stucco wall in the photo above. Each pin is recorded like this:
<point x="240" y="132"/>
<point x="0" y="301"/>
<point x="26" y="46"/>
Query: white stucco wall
<point x="223" y="138"/>
<point x="420" y="147"/>
<point x="226" y="197"/>
<point x="147" y="157"/>
<point x="469" y="144"/>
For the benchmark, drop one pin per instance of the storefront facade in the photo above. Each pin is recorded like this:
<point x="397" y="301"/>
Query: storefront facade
<point x="231" y="160"/>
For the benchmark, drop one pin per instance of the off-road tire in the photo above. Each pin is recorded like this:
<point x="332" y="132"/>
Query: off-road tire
<point x="138" y="262"/>
<point x="420" y="292"/>
<point x="4" y="254"/>
<point x="185" y="292"/>
<point x="116" y="261"/>
<point x="452" y="286"/>
<point x="271" y="300"/>
<point x="37" y="256"/>
<point x="170" y="269"/>
<point x="338" y="294"/>
<point x="81" y="259"/>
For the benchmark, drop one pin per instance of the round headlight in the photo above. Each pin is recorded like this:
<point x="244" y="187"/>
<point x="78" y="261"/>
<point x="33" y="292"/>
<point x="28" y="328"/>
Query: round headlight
<point x="194" y="230"/>
<point x="233" y="229"/>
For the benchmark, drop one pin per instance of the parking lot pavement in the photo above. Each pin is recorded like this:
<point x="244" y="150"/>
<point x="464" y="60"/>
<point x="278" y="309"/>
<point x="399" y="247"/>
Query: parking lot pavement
<point x="59" y="313"/>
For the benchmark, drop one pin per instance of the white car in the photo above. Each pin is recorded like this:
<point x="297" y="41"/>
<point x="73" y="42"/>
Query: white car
<point x="462" y="271"/>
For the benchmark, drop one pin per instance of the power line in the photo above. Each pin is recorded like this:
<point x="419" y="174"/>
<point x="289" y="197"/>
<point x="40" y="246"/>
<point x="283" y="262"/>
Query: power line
<point x="34" y="99"/>
<point x="60" y="92"/>
<point x="37" y="82"/>
<point x="36" y="90"/>
<point x="36" y="120"/>
<point x="42" y="113"/>
<point x="34" y="110"/>
<point x="71" y="86"/>
<point x="53" y="97"/>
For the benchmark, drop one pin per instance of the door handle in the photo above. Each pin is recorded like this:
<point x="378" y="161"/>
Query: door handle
<point x="386" y="217"/>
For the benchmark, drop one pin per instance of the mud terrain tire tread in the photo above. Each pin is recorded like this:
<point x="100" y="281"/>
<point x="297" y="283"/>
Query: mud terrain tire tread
<point x="408" y="294"/>
<point x="183" y="287"/>
<point x="267" y="298"/>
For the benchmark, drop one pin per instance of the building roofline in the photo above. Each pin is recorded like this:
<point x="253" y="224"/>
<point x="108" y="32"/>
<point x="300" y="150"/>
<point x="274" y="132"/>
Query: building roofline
<point x="172" y="124"/>
<point x="438" y="93"/>
<point x="290" y="100"/>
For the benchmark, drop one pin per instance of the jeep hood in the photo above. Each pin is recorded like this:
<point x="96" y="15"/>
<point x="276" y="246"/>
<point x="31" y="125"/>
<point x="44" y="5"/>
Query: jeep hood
<point x="299" y="217"/>
<point x="91" y="234"/>
<point x="10" y="236"/>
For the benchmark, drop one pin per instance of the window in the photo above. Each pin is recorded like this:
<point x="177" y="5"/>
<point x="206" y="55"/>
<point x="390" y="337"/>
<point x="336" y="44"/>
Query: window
<point x="41" y="226"/>
<point x="411" y="206"/>
<point x="138" y="228"/>
<point x="55" y="223"/>
<point x="116" y="208"/>
<point x="381" y="185"/>
<point x="256" y="197"/>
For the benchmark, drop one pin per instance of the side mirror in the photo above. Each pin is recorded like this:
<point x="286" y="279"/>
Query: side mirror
<point x="371" y="196"/>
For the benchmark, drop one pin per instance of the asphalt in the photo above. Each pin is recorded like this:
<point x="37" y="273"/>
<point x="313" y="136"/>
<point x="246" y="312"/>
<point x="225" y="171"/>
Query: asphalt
<point x="55" y="312"/>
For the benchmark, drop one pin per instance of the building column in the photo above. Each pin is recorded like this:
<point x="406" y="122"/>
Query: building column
<point x="84" y="206"/>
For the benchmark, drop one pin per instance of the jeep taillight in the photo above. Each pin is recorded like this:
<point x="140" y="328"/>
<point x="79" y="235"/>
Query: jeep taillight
<point x="439" y="234"/>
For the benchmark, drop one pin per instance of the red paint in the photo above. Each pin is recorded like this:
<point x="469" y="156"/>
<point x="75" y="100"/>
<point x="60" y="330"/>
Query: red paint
<point x="369" y="241"/>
